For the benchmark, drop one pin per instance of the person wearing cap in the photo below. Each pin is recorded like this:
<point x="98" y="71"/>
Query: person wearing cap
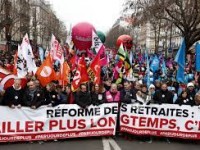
<point x="13" y="95"/>
<point x="151" y="91"/>
<point x="191" y="91"/>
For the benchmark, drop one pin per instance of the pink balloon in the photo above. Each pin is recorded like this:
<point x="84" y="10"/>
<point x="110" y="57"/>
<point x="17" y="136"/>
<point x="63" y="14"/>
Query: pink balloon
<point x="82" y="35"/>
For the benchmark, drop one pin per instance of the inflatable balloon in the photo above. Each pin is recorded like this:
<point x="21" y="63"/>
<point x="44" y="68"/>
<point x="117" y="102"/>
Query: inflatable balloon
<point x="102" y="36"/>
<point x="82" y="35"/>
<point x="127" y="41"/>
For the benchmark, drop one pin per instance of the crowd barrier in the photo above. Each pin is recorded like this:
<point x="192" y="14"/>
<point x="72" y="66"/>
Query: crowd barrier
<point x="71" y="121"/>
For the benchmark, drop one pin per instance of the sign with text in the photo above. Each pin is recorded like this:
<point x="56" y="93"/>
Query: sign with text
<point x="60" y="122"/>
<point x="165" y="120"/>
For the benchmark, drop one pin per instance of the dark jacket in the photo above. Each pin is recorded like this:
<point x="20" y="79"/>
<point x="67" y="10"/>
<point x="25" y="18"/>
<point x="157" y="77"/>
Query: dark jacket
<point x="33" y="98"/>
<point x="191" y="94"/>
<point x="83" y="99"/>
<point x="52" y="98"/>
<point x="98" y="98"/>
<point x="185" y="101"/>
<point x="127" y="96"/>
<point x="13" y="97"/>
<point x="163" y="97"/>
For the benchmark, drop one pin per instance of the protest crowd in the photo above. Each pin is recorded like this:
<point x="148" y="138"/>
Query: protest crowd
<point x="138" y="79"/>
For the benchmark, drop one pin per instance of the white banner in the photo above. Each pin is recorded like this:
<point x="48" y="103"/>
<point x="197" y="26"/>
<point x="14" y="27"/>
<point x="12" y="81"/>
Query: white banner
<point x="63" y="121"/>
<point x="161" y="120"/>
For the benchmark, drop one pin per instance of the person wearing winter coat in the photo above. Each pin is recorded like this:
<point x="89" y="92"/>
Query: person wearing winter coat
<point x="98" y="95"/>
<point x="127" y="95"/>
<point x="163" y="96"/>
<point x="82" y="97"/>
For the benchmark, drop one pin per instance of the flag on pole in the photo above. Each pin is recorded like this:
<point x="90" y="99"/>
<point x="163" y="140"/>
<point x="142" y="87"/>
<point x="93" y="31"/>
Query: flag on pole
<point x="56" y="50"/>
<point x="15" y="64"/>
<point x="103" y="56"/>
<point x="94" y="70"/>
<point x="197" y="62"/>
<point x="96" y="42"/>
<point x="163" y="67"/>
<point x="22" y="69"/>
<point x="127" y="63"/>
<point x="148" y="68"/>
<point x="28" y="54"/>
<point x="7" y="79"/>
<point x="180" y="59"/>
<point x="69" y="38"/>
<point x="64" y="73"/>
<point x="121" y="53"/>
<point x="155" y="64"/>
<point x="41" y="53"/>
<point x="45" y="73"/>
<point x="81" y="75"/>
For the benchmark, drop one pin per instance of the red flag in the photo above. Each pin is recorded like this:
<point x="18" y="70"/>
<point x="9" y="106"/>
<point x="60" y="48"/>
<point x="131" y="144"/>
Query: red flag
<point x="84" y="74"/>
<point x="103" y="56"/>
<point x="81" y="75"/>
<point x="95" y="70"/>
<point x="45" y="73"/>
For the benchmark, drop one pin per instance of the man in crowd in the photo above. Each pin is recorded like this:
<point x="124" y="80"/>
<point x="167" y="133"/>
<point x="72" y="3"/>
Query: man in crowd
<point x="14" y="95"/>
<point x="127" y="95"/>
<point x="82" y="97"/>
<point x="33" y="96"/>
<point x="163" y="95"/>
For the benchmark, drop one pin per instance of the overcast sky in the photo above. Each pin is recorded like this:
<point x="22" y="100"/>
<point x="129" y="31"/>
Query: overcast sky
<point x="101" y="13"/>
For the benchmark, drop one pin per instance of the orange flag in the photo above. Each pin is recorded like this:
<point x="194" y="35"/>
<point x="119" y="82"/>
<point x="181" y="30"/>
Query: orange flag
<point x="45" y="73"/>
<point x="15" y="64"/>
<point x="64" y="73"/>
<point x="81" y="75"/>
<point x="94" y="70"/>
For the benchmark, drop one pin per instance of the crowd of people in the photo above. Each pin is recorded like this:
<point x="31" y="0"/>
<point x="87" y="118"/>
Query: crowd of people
<point x="128" y="90"/>
<point x="162" y="90"/>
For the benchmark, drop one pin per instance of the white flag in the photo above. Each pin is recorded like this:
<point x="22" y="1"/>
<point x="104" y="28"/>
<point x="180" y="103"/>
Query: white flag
<point x="69" y="38"/>
<point x="21" y="64"/>
<point x="96" y="42"/>
<point x="28" y="54"/>
<point x="56" y="50"/>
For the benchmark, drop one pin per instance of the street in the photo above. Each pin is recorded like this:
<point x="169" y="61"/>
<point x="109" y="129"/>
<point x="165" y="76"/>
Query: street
<point x="101" y="144"/>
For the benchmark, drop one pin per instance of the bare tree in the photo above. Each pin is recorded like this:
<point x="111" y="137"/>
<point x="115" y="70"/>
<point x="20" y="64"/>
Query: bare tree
<point x="113" y="34"/>
<point x="184" y="14"/>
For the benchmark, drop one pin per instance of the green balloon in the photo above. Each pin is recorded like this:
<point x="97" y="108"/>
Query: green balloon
<point x="102" y="36"/>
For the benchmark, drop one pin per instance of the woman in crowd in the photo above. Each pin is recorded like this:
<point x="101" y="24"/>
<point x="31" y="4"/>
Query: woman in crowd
<point x="184" y="99"/>
<point x="98" y="95"/>
<point x="113" y="95"/>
